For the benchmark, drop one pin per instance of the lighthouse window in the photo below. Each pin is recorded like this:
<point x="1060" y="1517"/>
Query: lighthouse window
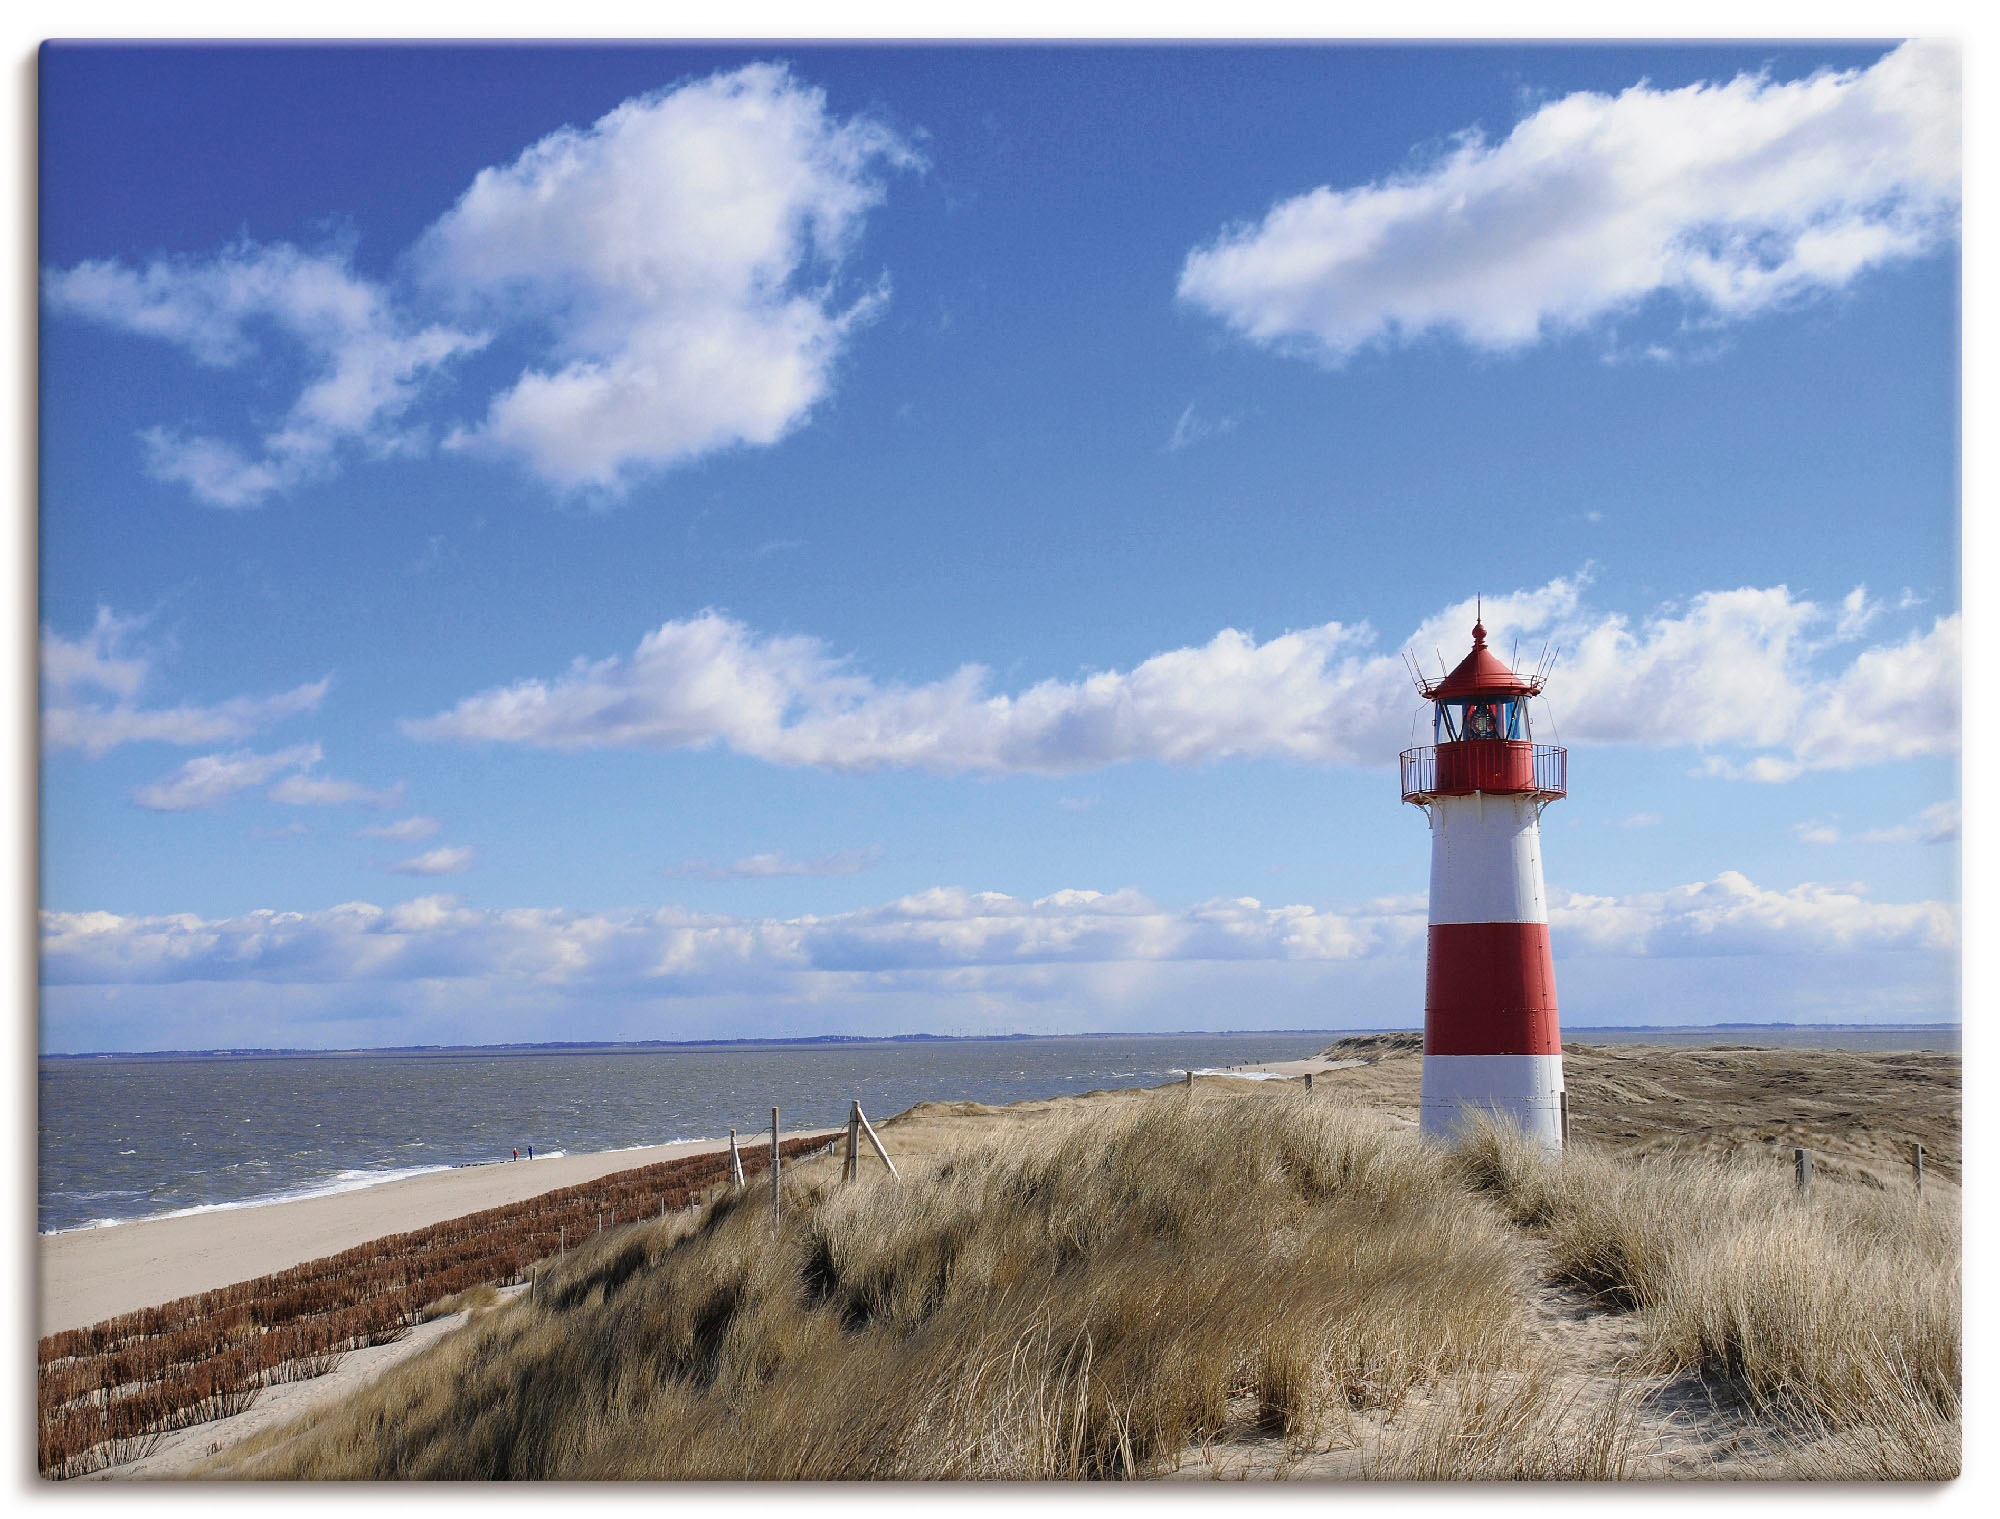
<point x="1479" y="719"/>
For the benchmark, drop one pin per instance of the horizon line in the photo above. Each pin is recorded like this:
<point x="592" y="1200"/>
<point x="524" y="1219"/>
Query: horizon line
<point x="549" y="1045"/>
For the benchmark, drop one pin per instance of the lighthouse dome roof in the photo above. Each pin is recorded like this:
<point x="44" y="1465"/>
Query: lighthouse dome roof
<point x="1480" y="673"/>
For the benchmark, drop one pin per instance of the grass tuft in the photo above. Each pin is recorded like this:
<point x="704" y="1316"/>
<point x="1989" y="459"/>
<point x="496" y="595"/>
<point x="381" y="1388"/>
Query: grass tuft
<point x="1838" y="1311"/>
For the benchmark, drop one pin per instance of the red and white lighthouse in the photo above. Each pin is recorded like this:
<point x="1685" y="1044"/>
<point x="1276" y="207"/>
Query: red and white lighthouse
<point x="1491" y="1043"/>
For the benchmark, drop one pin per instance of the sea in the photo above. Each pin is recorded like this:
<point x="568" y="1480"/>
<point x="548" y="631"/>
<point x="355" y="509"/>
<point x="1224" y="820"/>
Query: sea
<point x="124" y="1137"/>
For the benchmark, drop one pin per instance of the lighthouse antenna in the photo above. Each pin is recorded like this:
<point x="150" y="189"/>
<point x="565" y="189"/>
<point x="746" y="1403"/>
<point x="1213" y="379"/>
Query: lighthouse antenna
<point x="1543" y="664"/>
<point x="1442" y="671"/>
<point x="1416" y="674"/>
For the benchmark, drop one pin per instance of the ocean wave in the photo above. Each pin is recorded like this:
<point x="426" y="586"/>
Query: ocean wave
<point x="342" y="1181"/>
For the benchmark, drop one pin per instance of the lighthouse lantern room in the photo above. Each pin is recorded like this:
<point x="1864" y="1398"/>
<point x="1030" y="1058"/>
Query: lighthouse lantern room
<point x="1491" y="1042"/>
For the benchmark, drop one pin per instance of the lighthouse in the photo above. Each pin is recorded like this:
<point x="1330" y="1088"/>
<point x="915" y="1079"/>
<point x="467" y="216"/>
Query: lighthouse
<point x="1491" y="1044"/>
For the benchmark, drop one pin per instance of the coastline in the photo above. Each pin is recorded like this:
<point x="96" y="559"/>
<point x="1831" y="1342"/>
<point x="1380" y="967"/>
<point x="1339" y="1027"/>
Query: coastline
<point x="84" y="1275"/>
<point x="89" y="1274"/>
<point x="1858" y="1111"/>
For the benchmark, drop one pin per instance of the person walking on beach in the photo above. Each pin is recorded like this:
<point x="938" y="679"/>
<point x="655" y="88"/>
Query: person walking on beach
<point x="531" y="1152"/>
<point x="517" y="1154"/>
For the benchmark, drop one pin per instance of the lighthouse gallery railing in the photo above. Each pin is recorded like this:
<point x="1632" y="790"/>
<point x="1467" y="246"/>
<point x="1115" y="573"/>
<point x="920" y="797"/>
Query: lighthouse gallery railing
<point x="1540" y="770"/>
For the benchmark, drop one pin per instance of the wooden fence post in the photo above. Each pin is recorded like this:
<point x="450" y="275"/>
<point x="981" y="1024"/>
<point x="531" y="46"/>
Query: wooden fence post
<point x="1917" y="1165"/>
<point x="1802" y="1170"/>
<point x="1309" y="1083"/>
<point x="736" y="1182"/>
<point x="852" y="1169"/>
<point x="776" y="1158"/>
<point x="1187" y="1078"/>
<point x="562" y="1240"/>
<point x="1563" y="1098"/>
<point x="875" y="1140"/>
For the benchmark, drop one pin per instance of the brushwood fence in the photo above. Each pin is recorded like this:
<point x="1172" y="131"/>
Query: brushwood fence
<point x="107" y="1393"/>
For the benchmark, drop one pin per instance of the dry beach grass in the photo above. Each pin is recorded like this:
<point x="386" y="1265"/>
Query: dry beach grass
<point x="1232" y="1280"/>
<point x="1835" y="1314"/>
<point x="1085" y="1301"/>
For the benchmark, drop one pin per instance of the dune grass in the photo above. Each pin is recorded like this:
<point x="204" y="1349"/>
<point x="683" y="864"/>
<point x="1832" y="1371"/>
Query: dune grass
<point x="1837" y="1312"/>
<point x="1119" y="1289"/>
<point x="1085" y="1302"/>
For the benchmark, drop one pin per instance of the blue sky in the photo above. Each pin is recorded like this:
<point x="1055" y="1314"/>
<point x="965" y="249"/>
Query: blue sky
<point x="640" y="542"/>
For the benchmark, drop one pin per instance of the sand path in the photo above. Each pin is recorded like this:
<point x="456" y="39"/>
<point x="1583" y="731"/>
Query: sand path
<point x="1666" y="1427"/>
<point x="179" y="1452"/>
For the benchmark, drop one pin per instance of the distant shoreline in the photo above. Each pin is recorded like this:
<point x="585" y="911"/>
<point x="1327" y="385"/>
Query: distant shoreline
<point x="560" y="1047"/>
<point x="90" y="1274"/>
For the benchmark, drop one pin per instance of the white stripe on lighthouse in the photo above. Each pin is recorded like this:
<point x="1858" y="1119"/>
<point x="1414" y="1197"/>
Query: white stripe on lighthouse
<point x="1486" y="860"/>
<point x="1525" y="1090"/>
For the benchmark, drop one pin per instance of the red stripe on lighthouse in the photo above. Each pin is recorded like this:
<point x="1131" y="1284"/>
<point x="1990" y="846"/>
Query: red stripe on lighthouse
<point x="1490" y="989"/>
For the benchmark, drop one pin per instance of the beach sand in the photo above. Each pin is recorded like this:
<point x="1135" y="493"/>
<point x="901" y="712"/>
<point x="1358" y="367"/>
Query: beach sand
<point x="90" y="1274"/>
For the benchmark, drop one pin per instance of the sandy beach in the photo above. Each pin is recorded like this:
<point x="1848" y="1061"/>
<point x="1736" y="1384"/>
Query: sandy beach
<point x="90" y="1274"/>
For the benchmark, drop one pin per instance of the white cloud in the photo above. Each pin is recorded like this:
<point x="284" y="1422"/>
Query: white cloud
<point x="680" y="256"/>
<point x="711" y="679"/>
<point x="1731" y="198"/>
<point x="1736" y="668"/>
<point x="402" y="831"/>
<point x="97" y="660"/>
<point x="1732" y="915"/>
<point x="97" y="730"/>
<point x="672" y="272"/>
<point x="1191" y="428"/>
<point x="445" y="860"/>
<point x="79" y="674"/>
<point x="365" y="362"/>
<point x="1857" y="610"/>
<point x="758" y="867"/>
<point x="1896" y="701"/>
<point x="210" y="779"/>
<point x="935" y="933"/>
<point x="1939" y="823"/>
<point x="1731" y="669"/>
<point x="326" y="791"/>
